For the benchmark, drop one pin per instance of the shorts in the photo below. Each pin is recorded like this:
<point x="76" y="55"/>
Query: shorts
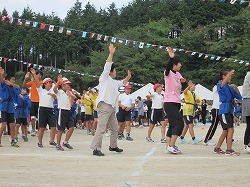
<point x="95" y="114"/>
<point x="65" y="120"/>
<point x="82" y="116"/>
<point x="22" y="121"/>
<point x="188" y="119"/>
<point x="34" y="109"/>
<point x="7" y="117"/>
<point x="226" y="120"/>
<point x="88" y="117"/>
<point x="157" y="115"/>
<point x="46" y="116"/>
<point x="124" y="115"/>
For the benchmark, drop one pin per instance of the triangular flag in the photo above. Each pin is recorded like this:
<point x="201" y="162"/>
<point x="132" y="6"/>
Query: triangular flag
<point x="218" y="58"/>
<point x="241" y="62"/>
<point x="35" y="24"/>
<point x="212" y="57"/>
<point x="232" y="1"/>
<point x="84" y="34"/>
<point x="200" y="55"/>
<point x="134" y="43"/>
<point x="113" y="39"/>
<point x="5" y="60"/>
<point x="19" y="22"/>
<point x="141" y="45"/>
<point x="60" y="29"/>
<point x="193" y="53"/>
<point x="188" y="51"/>
<point x="68" y="32"/>
<point x="51" y="28"/>
<point x="1" y="58"/>
<point x="92" y="35"/>
<point x="161" y="47"/>
<point x="206" y="56"/>
<point x="11" y="19"/>
<point x="106" y="38"/>
<point x="99" y="37"/>
<point x="147" y="45"/>
<point x="154" y="45"/>
<point x="127" y="42"/>
<point x="3" y="18"/>
<point x="43" y="25"/>
<point x="27" y="23"/>
<point x="120" y="41"/>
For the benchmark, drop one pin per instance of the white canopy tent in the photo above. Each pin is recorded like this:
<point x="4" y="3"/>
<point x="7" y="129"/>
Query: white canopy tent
<point x="202" y="92"/>
<point x="143" y="92"/>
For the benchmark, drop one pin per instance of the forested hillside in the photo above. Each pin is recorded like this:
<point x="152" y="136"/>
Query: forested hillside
<point x="208" y="35"/>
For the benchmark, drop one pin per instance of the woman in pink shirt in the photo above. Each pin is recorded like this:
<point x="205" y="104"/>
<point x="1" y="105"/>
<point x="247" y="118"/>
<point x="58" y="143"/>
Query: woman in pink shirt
<point x="172" y="101"/>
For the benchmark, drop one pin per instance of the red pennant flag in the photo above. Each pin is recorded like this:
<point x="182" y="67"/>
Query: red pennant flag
<point x="68" y="32"/>
<point x="42" y="26"/>
<point x="19" y="22"/>
<point x="27" y="23"/>
<point x="3" y="18"/>
<point x="5" y="60"/>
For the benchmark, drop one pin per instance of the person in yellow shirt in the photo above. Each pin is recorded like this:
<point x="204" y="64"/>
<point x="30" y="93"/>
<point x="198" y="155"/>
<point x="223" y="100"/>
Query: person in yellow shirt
<point x="89" y="111"/>
<point x="191" y="101"/>
<point x="93" y="96"/>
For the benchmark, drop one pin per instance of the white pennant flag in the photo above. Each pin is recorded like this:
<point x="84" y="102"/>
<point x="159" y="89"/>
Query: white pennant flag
<point x="141" y="45"/>
<point x="51" y="27"/>
<point x="232" y="1"/>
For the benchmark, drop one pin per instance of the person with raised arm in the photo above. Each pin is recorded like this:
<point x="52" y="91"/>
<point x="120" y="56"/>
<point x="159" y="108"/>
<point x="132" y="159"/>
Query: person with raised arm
<point x="107" y="102"/>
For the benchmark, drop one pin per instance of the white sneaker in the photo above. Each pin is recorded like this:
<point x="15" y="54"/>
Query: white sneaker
<point x="209" y="143"/>
<point x="234" y="141"/>
<point x="196" y="140"/>
<point x="149" y="139"/>
<point x="173" y="150"/>
<point x="141" y="126"/>
<point x="247" y="149"/>
<point x="33" y="133"/>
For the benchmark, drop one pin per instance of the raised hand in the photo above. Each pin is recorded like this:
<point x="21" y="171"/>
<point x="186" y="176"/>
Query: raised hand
<point x="170" y="52"/>
<point x="190" y="83"/>
<point x="1" y="71"/>
<point x="59" y="78"/>
<point x="27" y="75"/>
<point x="129" y="74"/>
<point x="33" y="71"/>
<point x="112" y="48"/>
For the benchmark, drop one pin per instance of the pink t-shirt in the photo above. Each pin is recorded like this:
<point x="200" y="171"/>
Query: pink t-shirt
<point x="172" y="87"/>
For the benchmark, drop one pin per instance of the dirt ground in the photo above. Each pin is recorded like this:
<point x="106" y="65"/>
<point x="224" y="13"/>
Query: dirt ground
<point x="141" y="164"/>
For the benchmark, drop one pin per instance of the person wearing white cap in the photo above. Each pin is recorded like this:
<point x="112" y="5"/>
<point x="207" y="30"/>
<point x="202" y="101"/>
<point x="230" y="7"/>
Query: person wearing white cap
<point x="65" y="116"/>
<point x="46" y="113"/>
<point x="106" y="103"/>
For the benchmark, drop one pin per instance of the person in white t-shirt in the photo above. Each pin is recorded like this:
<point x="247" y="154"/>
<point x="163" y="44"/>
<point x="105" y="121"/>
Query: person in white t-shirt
<point x="46" y="113"/>
<point x="214" y="111"/>
<point x="65" y="115"/>
<point x="157" y="114"/>
<point x="125" y="103"/>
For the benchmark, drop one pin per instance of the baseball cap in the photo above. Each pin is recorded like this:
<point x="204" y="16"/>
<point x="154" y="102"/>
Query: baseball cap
<point x="157" y="85"/>
<point x="128" y="86"/>
<point x="121" y="89"/>
<point x="65" y="81"/>
<point x="46" y="80"/>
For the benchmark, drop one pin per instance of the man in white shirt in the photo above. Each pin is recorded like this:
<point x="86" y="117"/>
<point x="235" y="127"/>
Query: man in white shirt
<point x="106" y="103"/>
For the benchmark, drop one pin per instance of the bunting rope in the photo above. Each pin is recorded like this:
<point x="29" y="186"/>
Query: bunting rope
<point x="120" y="41"/>
<point x="48" y="68"/>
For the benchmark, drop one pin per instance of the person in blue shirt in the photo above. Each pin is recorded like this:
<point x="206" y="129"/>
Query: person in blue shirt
<point x="9" y="92"/>
<point x="23" y="104"/>
<point x="227" y="93"/>
<point x="73" y="110"/>
<point x="238" y="114"/>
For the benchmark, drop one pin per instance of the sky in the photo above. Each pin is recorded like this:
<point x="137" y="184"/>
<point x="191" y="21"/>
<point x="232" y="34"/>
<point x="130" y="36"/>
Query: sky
<point x="60" y="7"/>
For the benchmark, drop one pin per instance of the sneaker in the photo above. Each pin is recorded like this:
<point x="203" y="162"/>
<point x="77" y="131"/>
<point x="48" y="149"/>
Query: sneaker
<point x="119" y="137"/>
<point x="173" y="150"/>
<point x="141" y="126"/>
<point x="234" y="141"/>
<point x="129" y="138"/>
<point x="25" y="139"/>
<point x="196" y="140"/>
<point x="182" y="140"/>
<point x="209" y="143"/>
<point x="149" y="139"/>
<point x="246" y="150"/>
<point x="59" y="148"/>
<point x="98" y="153"/>
<point x="16" y="139"/>
<point x="40" y="145"/>
<point x="89" y="132"/>
<point x="116" y="149"/>
<point x="14" y="144"/>
<point x="33" y="133"/>
<point x="232" y="152"/>
<point x="218" y="151"/>
<point x="52" y="144"/>
<point x="163" y="140"/>
<point x="67" y="145"/>
<point x="122" y="135"/>
<point x="93" y="133"/>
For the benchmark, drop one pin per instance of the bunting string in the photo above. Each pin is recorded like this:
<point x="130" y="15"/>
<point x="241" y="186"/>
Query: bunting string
<point x="121" y="41"/>
<point x="49" y="68"/>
